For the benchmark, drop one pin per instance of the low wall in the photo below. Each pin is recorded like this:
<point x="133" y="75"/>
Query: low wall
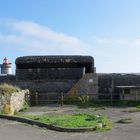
<point x="14" y="100"/>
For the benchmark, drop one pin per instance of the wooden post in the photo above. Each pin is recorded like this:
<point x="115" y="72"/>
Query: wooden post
<point x="111" y="96"/>
<point x="123" y="95"/>
<point x="136" y="95"/>
<point x="62" y="98"/>
<point x="112" y="89"/>
<point x="28" y="98"/>
<point x="36" y="98"/>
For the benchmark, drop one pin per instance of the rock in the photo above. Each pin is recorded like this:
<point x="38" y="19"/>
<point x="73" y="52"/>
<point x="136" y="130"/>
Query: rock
<point x="99" y="126"/>
<point x="8" y="109"/>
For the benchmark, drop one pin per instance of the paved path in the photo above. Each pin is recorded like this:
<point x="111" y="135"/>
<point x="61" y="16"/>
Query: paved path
<point x="15" y="131"/>
<point x="10" y="130"/>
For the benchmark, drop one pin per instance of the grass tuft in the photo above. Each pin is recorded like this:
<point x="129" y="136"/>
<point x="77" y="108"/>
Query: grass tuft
<point x="8" y="89"/>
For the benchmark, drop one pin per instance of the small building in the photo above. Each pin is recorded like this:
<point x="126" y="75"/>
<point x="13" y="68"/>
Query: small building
<point x="129" y="93"/>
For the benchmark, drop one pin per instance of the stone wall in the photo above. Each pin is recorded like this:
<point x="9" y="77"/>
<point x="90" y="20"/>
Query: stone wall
<point x="14" y="100"/>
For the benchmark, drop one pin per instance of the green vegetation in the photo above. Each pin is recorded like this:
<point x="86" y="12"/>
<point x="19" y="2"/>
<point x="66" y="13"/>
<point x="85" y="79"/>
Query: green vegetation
<point x="125" y="120"/>
<point x="75" y="121"/>
<point x="8" y="89"/>
<point x="84" y="98"/>
<point x="138" y="107"/>
<point x="25" y="107"/>
<point x="83" y="103"/>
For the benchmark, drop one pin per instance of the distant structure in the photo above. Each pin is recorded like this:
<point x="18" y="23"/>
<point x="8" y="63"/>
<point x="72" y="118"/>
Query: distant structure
<point x="53" y="67"/>
<point x="71" y="76"/>
<point x="6" y="67"/>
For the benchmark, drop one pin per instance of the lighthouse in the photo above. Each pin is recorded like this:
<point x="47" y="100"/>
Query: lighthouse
<point x="6" y="67"/>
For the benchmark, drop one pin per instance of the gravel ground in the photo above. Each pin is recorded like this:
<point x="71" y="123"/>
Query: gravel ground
<point x="16" y="131"/>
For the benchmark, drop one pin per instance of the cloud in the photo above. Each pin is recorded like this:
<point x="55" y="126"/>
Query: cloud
<point x="115" y="42"/>
<point x="116" y="54"/>
<point x="19" y="38"/>
<point x="42" y="40"/>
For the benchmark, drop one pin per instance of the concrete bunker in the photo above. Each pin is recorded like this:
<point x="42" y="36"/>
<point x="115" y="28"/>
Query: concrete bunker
<point x="53" y="67"/>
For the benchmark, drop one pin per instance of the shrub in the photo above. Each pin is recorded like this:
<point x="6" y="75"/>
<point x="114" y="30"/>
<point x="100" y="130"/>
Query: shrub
<point x="8" y="89"/>
<point x="83" y="98"/>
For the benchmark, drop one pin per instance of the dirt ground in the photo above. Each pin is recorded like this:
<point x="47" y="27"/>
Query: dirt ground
<point x="13" y="130"/>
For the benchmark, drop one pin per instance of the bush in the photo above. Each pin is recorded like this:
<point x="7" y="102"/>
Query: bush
<point x="8" y="89"/>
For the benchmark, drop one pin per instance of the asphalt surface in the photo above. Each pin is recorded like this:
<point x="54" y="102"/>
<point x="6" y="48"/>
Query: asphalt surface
<point x="11" y="130"/>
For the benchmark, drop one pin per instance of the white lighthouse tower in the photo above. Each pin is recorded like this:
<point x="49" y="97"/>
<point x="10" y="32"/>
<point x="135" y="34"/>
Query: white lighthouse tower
<point x="6" y="67"/>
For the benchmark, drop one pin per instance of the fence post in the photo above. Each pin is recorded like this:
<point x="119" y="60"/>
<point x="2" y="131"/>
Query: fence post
<point x="136" y="95"/>
<point x="28" y="98"/>
<point x="123" y="96"/>
<point x="61" y="98"/>
<point x="36" y="98"/>
<point x="111" y="99"/>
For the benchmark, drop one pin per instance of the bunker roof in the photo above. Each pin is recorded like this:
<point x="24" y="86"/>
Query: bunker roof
<point x="55" y="59"/>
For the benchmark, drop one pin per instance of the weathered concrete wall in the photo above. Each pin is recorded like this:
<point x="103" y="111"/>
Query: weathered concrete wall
<point x="87" y="85"/>
<point x="49" y="73"/>
<point x="53" y="67"/>
<point x="108" y="81"/>
<point x="43" y="86"/>
<point x="40" y="86"/>
<point x="105" y="82"/>
<point x="7" y="78"/>
<point x="15" y="100"/>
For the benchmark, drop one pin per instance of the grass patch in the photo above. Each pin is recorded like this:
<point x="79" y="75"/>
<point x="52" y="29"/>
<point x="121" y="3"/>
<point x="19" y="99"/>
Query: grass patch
<point x="101" y="104"/>
<point x="8" y="89"/>
<point x="125" y="120"/>
<point x="138" y="107"/>
<point x="90" y="103"/>
<point x="75" y="121"/>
